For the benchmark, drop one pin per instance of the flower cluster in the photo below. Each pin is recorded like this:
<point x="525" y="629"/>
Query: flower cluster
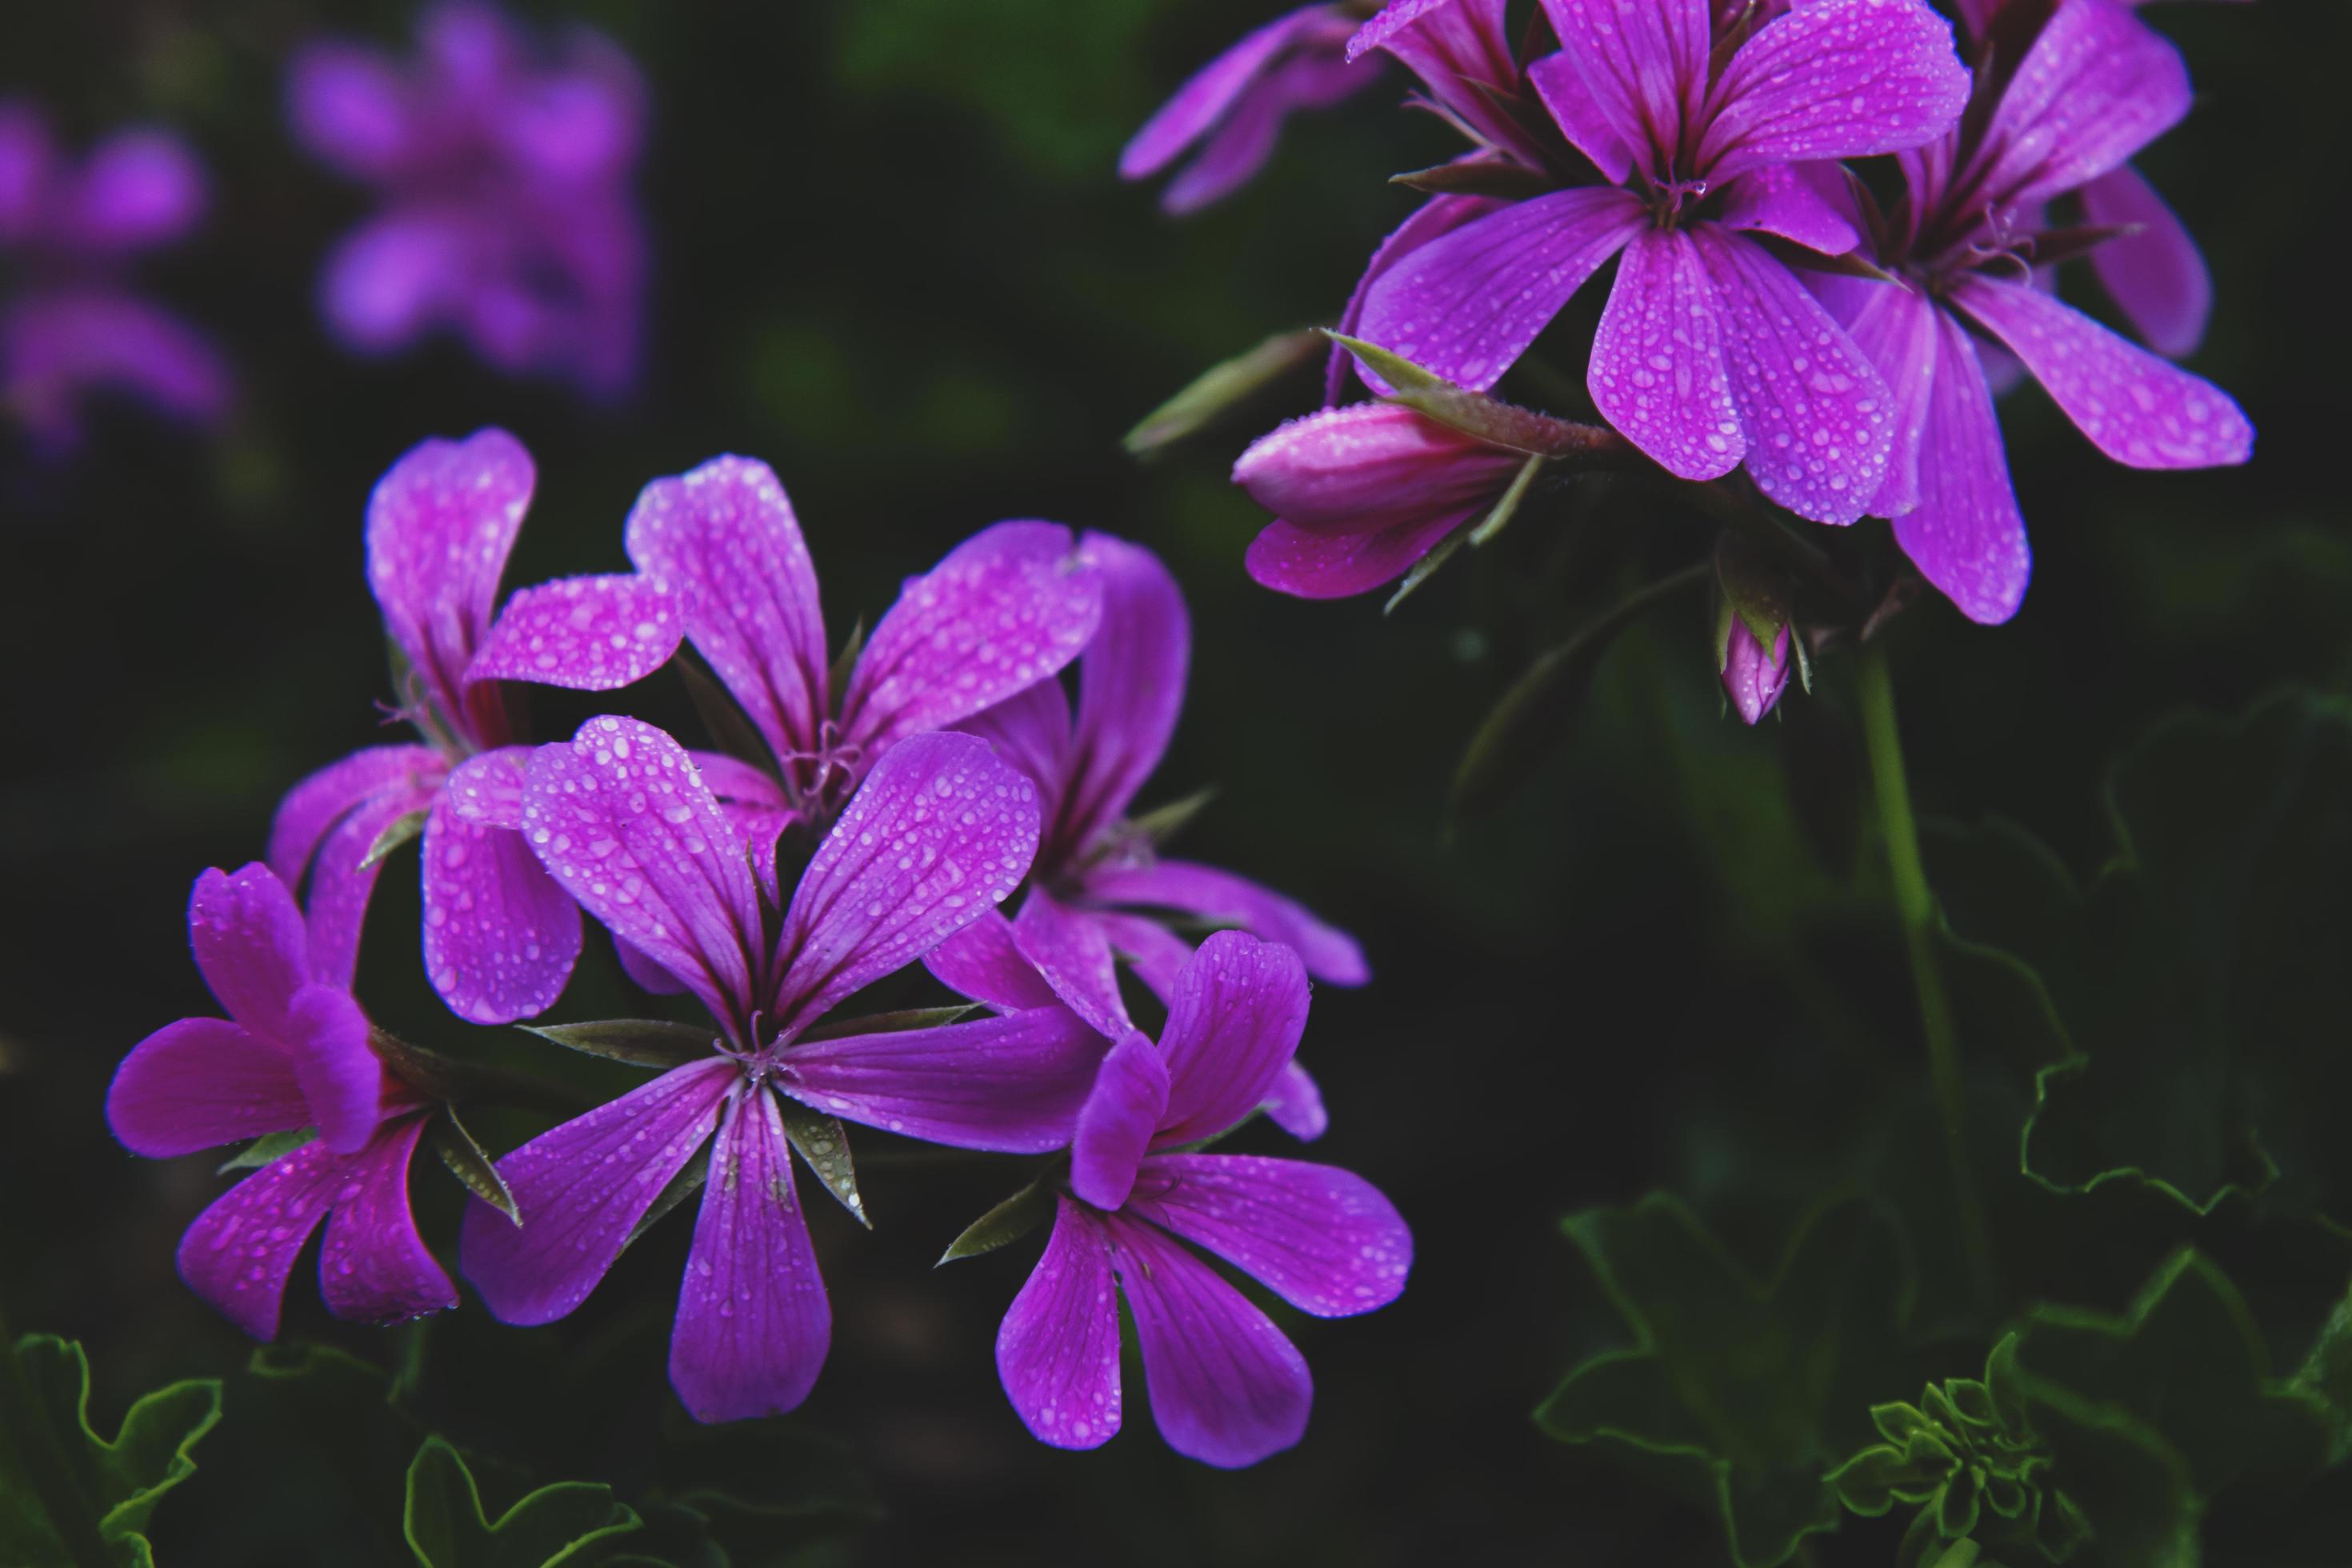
<point x="874" y="811"/>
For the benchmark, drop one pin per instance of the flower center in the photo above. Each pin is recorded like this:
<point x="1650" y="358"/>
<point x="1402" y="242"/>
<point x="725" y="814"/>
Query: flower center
<point x="821" y="780"/>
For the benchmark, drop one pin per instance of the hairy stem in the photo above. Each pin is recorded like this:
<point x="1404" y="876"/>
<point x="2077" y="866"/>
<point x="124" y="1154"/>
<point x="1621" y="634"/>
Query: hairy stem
<point x="1916" y="905"/>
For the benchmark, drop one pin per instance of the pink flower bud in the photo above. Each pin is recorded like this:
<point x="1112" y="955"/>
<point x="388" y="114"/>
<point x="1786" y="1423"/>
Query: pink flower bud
<point x="1752" y="678"/>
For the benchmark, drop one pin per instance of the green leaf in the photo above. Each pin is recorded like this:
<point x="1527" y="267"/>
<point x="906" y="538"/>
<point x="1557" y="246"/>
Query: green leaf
<point x="1162" y="823"/>
<point x="64" y="1491"/>
<point x="1489" y="419"/>
<point x="676" y="1191"/>
<point x="644" y="1041"/>
<point x="266" y="1150"/>
<point x="1220" y="390"/>
<point x="1737" y="1394"/>
<point x="470" y="1164"/>
<point x="2123" y="1483"/>
<point x="892" y="1022"/>
<point x="844" y="663"/>
<point x="730" y="731"/>
<point x="2326" y="1371"/>
<point x="445" y="1527"/>
<point x="1477" y="178"/>
<point x="396" y="832"/>
<point x="824" y="1149"/>
<point x="1483" y="532"/>
<point x="1007" y="1223"/>
<point x="1425" y="568"/>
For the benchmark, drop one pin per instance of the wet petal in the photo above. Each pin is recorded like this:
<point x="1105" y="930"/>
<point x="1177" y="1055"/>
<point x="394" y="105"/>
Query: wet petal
<point x="1209" y="97"/>
<point x="983" y="961"/>
<point x="500" y="933"/>
<point x="1057" y="1353"/>
<point x="342" y="1082"/>
<point x="1644" y="61"/>
<point x="250" y="946"/>
<point x="1895" y="329"/>
<point x="439" y="527"/>
<point x="1808" y="203"/>
<point x="1323" y="1240"/>
<point x="1130" y="683"/>
<point x="1223" y="898"/>
<point x="2096" y="87"/>
<point x="1234" y="1022"/>
<point x="1157" y="955"/>
<point x="1966" y="535"/>
<point x="1071" y="950"/>
<point x="1370" y="467"/>
<point x="756" y="803"/>
<point x="1295" y="1104"/>
<point x="1460" y="50"/>
<point x="1011" y="1084"/>
<point x="1031" y="731"/>
<point x="312" y="808"/>
<point x="2157" y="273"/>
<point x="1122" y="1110"/>
<point x="200" y="1083"/>
<point x="1657" y="372"/>
<point x="1438" y="215"/>
<point x="1311" y="565"/>
<point x="342" y="878"/>
<point x="589" y="634"/>
<point x="375" y="1267"/>
<point x="240" y="1251"/>
<point x="1834" y="78"/>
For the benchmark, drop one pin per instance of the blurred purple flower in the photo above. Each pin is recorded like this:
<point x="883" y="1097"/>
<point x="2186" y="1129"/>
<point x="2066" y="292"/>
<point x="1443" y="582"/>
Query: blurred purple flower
<point x="2080" y="93"/>
<point x="73" y="327"/>
<point x="1752" y="678"/>
<point x="1228" y="115"/>
<point x="293" y="1053"/>
<point x="1227" y="1386"/>
<point x="1709" y="132"/>
<point x="939" y="833"/>
<point x="506" y="177"/>
<point x="499" y="936"/>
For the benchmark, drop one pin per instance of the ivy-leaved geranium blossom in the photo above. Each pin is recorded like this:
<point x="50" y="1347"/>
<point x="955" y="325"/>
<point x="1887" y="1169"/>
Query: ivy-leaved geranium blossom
<point x="73" y="327"/>
<point x="1711" y="126"/>
<point x="293" y="1053"/>
<point x="499" y="936"/>
<point x="2078" y="94"/>
<point x="1227" y="1386"/>
<point x="939" y="831"/>
<point x="505" y="173"/>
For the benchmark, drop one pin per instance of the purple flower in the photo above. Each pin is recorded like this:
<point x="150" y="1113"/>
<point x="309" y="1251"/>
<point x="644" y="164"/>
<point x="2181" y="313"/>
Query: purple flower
<point x="499" y="935"/>
<point x="1229" y="115"/>
<point x="1362" y="493"/>
<point x="1752" y="678"/>
<point x="507" y="213"/>
<point x="1227" y="1386"/>
<point x="939" y="833"/>
<point x="1710" y="352"/>
<point x="1095" y="873"/>
<point x="293" y="1053"/>
<point x="2089" y="88"/>
<point x="74" y="328"/>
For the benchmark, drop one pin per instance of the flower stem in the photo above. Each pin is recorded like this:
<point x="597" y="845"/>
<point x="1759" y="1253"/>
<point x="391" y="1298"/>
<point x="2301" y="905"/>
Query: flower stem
<point x="1916" y="907"/>
<point x="42" y="1460"/>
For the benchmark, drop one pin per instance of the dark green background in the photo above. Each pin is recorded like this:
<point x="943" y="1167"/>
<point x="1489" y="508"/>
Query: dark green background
<point x="892" y="261"/>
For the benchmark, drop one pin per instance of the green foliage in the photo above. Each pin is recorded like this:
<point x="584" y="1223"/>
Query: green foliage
<point x="444" y="1525"/>
<point x="1224" y="390"/>
<point x="1006" y="1223"/>
<point x="1735" y="1394"/>
<point x="69" y="1495"/>
<point x="641" y="1042"/>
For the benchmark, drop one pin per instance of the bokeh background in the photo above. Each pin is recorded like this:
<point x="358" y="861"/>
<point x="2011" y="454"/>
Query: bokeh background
<point x="892" y="259"/>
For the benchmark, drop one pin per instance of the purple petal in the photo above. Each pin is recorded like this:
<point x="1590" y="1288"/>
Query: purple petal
<point x="1753" y="679"/>
<point x="396" y="276"/>
<point x="1644" y="61"/>
<point x="1226" y="1387"/>
<point x="1290" y="560"/>
<point x="1323" y="1240"/>
<point x="1122" y="1110"/>
<point x="373" y="1268"/>
<point x="439" y="526"/>
<point x="1071" y="950"/>
<point x="1235" y="1020"/>
<point x="1209" y="97"/>
<point x="1896" y="330"/>
<point x="60" y="346"/>
<point x="1130" y="683"/>
<point x="240" y="1251"/>
<point x="342" y="878"/>
<point x="1589" y="129"/>
<point x="1815" y="413"/>
<point x="1157" y="955"/>
<point x="753" y="1323"/>
<point x="136" y="189"/>
<point x="1295" y="1105"/>
<point x="1236" y="150"/>
<point x="756" y="803"/>
<point x="1438" y="215"/>
<point x="200" y="1083"/>
<point x="1011" y="1084"/>
<point x="2096" y="87"/>
<point x="724" y="537"/>
<point x="1460" y="50"/>
<point x="1810" y="204"/>
<point x="623" y="820"/>
<point x="249" y="943"/>
<point x="938" y="834"/>
<point x="1834" y="78"/>
<point x="582" y="1187"/>
<point x="312" y="808"/>
<point x="1657" y="372"/>
<point x="1031" y="730"/>
<point x="589" y="634"/>
<point x="1005" y="609"/>
<point x="342" y="1082"/>
<point x="500" y="934"/>
<point x="2156" y="273"/>
<point x="28" y="163"/>
<point x="349" y="108"/>
<point x="1966" y="535"/>
<point x="1371" y="468"/>
<point x="983" y="962"/>
<point x="1466" y="305"/>
<point x="1057" y="1353"/>
<point x="2134" y="407"/>
<point x="1224" y="899"/>
<point x="645" y="973"/>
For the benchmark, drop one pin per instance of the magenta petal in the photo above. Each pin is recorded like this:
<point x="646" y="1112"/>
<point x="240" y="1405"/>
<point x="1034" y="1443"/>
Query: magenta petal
<point x="1460" y="50"/>
<point x="28" y="163"/>
<point x="1031" y="730"/>
<point x="1589" y="129"/>
<point x="2135" y="408"/>
<point x="1011" y="1084"/>
<point x="240" y="1251"/>
<point x="1295" y="1105"/>
<point x="1323" y="1240"/>
<point x="1369" y="466"/>
<point x="589" y="634"/>
<point x="342" y="878"/>
<point x="500" y="933"/>
<point x="724" y="536"/>
<point x="2097" y="86"/>
<point x="756" y="803"/>
<point x="1895" y="329"/>
<point x="1226" y="1387"/>
<point x="1815" y="413"/>
<point x="2156" y="273"/>
<point x="1291" y="560"/>
<point x="1657" y="372"/>
<point x="1122" y="1110"/>
<point x="582" y="1187"/>
<point x="1003" y="610"/>
<point x="1754" y="679"/>
<point x="1071" y="950"/>
<point x="200" y="1083"/>
<point x="1966" y="535"/>
<point x="396" y="276"/>
<point x="1157" y="955"/>
<point x="313" y="807"/>
<point x="1237" y="149"/>
<point x="1223" y="898"/>
<point x="623" y="820"/>
<point x="938" y="834"/>
<point x="439" y="527"/>
<point x="61" y="344"/>
<point x="1058" y="1352"/>
<point x="1466" y="306"/>
<point x="1210" y="95"/>
<point x="135" y="189"/>
<point x="1834" y="78"/>
<point x="1644" y="61"/>
<point x="983" y="961"/>
<point x="1235" y="1020"/>
<point x="1131" y="682"/>
<point x="1438" y="215"/>
<point x="753" y="1323"/>
<point x="349" y="108"/>
<point x="1808" y="203"/>
<point x="342" y="1082"/>
<point x="373" y="1268"/>
<point x="645" y="972"/>
<point x="249" y="943"/>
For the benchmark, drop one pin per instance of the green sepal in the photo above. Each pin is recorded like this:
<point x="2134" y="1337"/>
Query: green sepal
<point x="676" y="1191"/>
<point x="1754" y="589"/>
<point x="891" y="1023"/>
<point x="1006" y="1223"/>
<point x="1425" y="568"/>
<point x="1477" y="177"/>
<point x="731" y="733"/>
<point x="844" y="663"/>
<point x="408" y="825"/>
<point x="1484" y="531"/>
<point x="1162" y="823"/>
<point x="444" y="1525"/>
<point x="1489" y="419"/>
<point x="824" y="1148"/>
<point x="1220" y="389"/>
<point x="266" y="1150"/>
<point x="470" y="1164"/>
<point x="642" y="1042"/>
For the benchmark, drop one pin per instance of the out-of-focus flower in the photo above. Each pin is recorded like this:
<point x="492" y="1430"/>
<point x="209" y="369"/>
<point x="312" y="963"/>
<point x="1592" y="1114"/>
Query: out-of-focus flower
<point x="293" y="1053"/>
<point x="505" y="173"/>
<point x="1752" y="678"/>
<point x="499" y="936"/>
<point x="1228" y="116"/>
<point x="1227" y="1386"/>
<point x="70" y="326"/>
<point x="939" y="833"/>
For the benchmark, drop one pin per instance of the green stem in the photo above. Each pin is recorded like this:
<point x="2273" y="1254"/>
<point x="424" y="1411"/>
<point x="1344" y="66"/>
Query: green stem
<point x="39" y="1451"/>
<point x="1916" y="907"/>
